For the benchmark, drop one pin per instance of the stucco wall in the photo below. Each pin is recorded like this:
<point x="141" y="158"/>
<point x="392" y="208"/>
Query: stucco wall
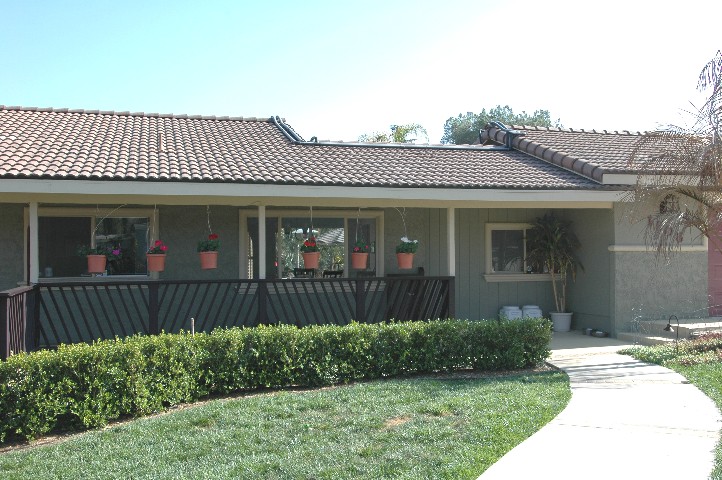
<point x="645" y="288"/>
<point x="11" y="240"/>
<point x="649" y="287"/>
<point x="182" y="227"/>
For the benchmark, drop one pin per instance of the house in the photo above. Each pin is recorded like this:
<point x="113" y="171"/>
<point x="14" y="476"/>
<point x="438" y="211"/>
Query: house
<point x="70" y="177"/>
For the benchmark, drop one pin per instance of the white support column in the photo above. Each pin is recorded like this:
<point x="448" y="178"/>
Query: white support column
<point x="451" y="240"/>
<point x="261" y="254"/>
<point x="34" y="253"/>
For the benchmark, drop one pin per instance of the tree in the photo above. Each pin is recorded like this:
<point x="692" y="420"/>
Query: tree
<point x="680" y="174"/>
<point x="397" y="134"/>
<point x="464" y="129"/>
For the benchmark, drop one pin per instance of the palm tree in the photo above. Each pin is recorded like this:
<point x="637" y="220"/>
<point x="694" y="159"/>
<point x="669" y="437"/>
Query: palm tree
<point x="680" y="173"/>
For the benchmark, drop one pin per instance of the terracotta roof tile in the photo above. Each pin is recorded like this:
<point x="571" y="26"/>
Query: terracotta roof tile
<point x="77" y="144"/>
<point x="606" y="150"/>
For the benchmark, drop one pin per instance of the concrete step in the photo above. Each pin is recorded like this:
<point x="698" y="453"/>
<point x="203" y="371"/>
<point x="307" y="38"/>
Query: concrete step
<point x="642" y="339"/>
<point x="651" y="332"/>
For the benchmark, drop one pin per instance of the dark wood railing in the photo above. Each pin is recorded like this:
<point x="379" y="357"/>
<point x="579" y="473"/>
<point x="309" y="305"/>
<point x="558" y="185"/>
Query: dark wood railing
<point x="48" y="314"/>
<point x="17" y="325"/>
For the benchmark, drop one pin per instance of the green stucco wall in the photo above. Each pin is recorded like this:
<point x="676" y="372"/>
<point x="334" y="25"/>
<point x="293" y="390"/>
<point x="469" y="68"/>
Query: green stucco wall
<point x="11" y="240"/>
<point x="182" y="227"/>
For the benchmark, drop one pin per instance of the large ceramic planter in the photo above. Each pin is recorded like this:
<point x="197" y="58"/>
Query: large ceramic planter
<point x="155" y="262"/>
<point x="405" y="260"/>
<point x="359" y="260"/>
<point x="209" y="260"/>
<point x="96" y="263"/>
<point x="311" y="259"/>
<point x="562" y="321"/>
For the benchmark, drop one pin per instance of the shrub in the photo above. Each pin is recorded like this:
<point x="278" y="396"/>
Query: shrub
<point x="85" y="386"/>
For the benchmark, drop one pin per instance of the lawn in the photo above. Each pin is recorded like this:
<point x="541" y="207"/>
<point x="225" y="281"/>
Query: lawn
<point x="438" y="428"/>
<point x="700" y="361"/>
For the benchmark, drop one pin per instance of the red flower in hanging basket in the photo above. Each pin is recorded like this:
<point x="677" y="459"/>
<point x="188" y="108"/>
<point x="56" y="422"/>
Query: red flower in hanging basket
<point x="210" y="245"/>
<point x="158" y="247"/>
<point x="310" y="245"/>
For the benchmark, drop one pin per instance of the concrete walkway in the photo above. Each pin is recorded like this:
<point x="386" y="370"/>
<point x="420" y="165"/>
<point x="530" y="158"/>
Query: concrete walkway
<point x="626" y="419"/>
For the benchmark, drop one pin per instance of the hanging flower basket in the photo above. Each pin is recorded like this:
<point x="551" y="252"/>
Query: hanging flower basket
<point x="208" y="252"/>
<point x="155" y="256"/>
<point x="405" y="252"/>
<point x="311" y="259"/>
<point x="209" y="260"/>
<point x="99" y="256"/>
<point x="155" y="262"/>
<point x="405" y="260"/>
<point x="359" y="260"/>
<point x="96" y="263"/>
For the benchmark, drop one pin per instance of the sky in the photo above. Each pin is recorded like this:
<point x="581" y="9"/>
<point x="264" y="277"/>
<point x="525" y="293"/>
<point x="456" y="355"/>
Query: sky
<point x="338" y="70"/>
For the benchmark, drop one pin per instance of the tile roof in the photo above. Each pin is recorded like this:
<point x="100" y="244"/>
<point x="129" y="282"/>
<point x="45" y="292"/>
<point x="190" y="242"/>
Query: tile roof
<point x="78" y="144"/>
<point x="590" y="153"/>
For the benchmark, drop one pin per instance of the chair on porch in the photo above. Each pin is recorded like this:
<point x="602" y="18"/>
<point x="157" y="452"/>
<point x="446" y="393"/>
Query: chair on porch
<point x="366" y="273"/>
<point x="332" y="273"/>
<point x="304" y="272"/>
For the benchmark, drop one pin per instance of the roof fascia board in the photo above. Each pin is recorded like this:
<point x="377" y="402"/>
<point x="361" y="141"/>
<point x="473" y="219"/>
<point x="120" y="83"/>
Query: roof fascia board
<point x="244" y="194"/>
<point x="633" y="179"/>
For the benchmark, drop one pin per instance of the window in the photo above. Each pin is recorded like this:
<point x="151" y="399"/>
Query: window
<point x="335" y="232"/>
<point x="61" y="231"/>
<point x="506" y="254"/>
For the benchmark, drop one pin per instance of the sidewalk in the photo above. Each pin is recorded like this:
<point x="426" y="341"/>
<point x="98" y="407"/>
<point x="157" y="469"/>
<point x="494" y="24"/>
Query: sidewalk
<point x="626" y="419"/>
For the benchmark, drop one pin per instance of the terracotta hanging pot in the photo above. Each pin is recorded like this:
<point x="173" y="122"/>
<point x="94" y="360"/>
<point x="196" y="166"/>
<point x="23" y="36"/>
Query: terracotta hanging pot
<point x="96" y="263"/>
<point x="405" y="260"/>
<point x="359" y="260"/>
<point x="209" y="260"/>
<point x="155" y="261"/>
<point x="311" y="259"/>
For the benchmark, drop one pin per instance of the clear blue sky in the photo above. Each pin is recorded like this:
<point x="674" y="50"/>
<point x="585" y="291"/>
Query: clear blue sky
<point x="337" y="70"/>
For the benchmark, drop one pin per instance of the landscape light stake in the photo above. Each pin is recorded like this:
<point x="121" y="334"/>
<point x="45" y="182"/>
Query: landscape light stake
<point x="669" y="328"/>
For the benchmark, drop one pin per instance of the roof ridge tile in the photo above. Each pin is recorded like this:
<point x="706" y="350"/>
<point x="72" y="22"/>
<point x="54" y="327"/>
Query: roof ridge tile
<point x="127" y="113"/>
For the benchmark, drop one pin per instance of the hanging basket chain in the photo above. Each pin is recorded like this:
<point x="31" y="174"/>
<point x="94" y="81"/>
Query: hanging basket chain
<point x="208" y="218"/>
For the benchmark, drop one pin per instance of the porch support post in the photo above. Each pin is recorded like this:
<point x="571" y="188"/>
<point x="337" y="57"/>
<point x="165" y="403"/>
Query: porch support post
<point x="261" y="241"/>
<point x="33" y="253"/>
<point x="451" y="240"/>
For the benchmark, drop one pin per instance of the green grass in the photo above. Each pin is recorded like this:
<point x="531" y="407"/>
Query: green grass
<point x="700" y="361"/>
<point x="401" y="428"/>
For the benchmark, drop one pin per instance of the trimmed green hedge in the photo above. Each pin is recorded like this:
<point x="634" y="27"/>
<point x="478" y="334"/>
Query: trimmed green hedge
<point x="84" y="386"/>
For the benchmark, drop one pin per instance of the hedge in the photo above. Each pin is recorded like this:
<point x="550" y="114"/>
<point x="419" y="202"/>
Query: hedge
<point x="87" y="385"/>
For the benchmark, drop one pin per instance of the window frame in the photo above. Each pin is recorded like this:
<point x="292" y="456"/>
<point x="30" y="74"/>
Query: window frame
<point x="94" y="214"/>
<point x="490" y="275"/>
<point x="348" y="216"/>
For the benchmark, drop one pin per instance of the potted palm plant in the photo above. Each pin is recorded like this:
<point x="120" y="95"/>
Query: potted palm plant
<point x="551" y="247"/>
<point x="208" y="251"/>
<point x="311" y="253"/>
